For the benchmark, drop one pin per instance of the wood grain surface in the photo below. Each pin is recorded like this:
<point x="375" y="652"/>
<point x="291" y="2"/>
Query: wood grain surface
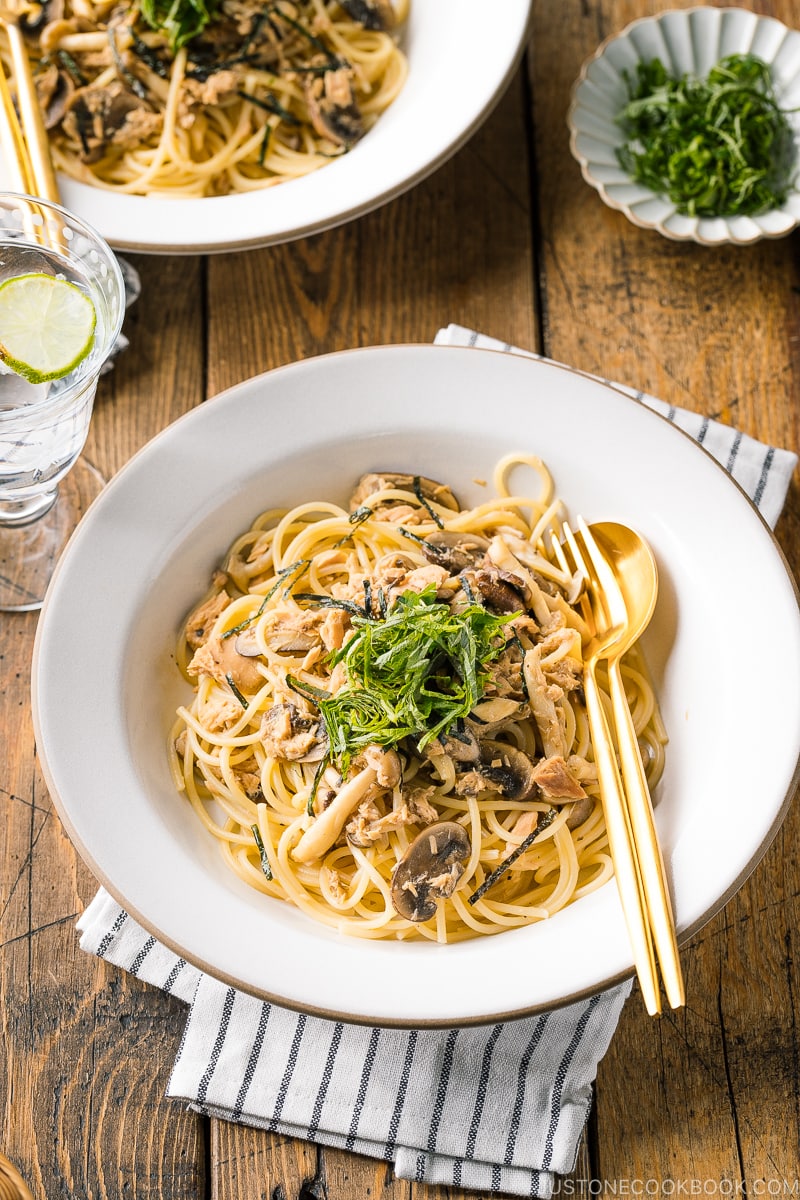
<point x="507" y="238"/>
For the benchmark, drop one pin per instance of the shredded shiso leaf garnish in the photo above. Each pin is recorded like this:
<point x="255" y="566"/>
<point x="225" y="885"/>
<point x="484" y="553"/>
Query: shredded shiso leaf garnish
<point x="719" y="146"/>
<point x="413" y="672"/>
<point x="180" y="20"/>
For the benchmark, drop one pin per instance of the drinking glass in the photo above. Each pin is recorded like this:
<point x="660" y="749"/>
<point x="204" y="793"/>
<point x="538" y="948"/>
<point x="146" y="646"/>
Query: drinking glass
<point x="44" y="484"/>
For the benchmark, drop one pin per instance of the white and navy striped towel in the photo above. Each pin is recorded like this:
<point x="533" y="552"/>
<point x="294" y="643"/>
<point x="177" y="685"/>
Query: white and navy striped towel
<point x="763" y="472"/>
<point x="497" y="1108"/>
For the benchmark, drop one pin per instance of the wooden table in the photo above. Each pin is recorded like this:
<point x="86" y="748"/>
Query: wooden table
<point x="508" y="239"/>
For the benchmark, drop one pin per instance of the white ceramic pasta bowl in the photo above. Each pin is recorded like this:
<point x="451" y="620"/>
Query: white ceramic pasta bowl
<point x="105" y="684"/>
<point x="687" y="41"/>
<point x="459" y="65"/>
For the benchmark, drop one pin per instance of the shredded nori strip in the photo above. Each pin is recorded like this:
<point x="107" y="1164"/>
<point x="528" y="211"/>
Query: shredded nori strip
<point x="367" y="598"/>
<point x="262" y="153"/>
<point x="150" y="58"/>
<point x="321" y="601"/>
<point x="265" y="867"/>
<point x="468" y="592"/>
<point x="242" y="700"/>
<point x="306" y="33"/>
<point x="498" y="873"/>
<point x="72" y="68"/>
<point x="360" y="514"/>
<point x="356" y="518"/>
<point x="279" y="579"/>
<point x="136" y="85"/>
<point x="271" y="105"/>
<point x="413" y="537"/>
<point x="418" y="493"/>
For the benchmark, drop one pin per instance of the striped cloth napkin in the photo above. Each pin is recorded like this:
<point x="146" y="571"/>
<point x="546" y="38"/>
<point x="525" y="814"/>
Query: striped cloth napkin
<point x="496" y="1108"/>
<point x="763" y="472"/>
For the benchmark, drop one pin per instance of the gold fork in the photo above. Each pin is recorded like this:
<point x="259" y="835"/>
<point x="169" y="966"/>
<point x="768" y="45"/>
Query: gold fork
<point x="613" y="611"/>
<point x="620" y="840"/>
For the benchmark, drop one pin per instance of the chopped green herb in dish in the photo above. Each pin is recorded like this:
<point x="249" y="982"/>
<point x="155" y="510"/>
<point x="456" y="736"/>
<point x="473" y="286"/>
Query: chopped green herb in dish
<point x="179" y="20"/>
<point x="719" y="146"/>
<point x="414" y="673"/>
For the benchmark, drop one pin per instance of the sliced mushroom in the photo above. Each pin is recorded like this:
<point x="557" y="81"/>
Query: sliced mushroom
<point x="247" y="643"/>
<point x="99" y="116"/>
<point x="580" y="812"/>
<point x="372" y="14"/>
<point x="287" y="630"/>
<point x="219" y="658"/>
<point x="332" y="105"/>
<point x="54" y="90"/>
<point x="39" y="14"/>
<point x="460" y="744"/>
<point x="430" y="870"/>
<point x="454" y="550"/>
<point x="505" y="768"/>
<point x="499" y="590"/>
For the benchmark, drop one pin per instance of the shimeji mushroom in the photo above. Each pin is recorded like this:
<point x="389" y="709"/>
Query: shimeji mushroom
<point x="382" y="769"/>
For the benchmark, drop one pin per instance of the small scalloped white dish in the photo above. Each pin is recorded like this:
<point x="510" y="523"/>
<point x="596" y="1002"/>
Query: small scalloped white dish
<point x="688" y="41"/>
<point x="459" y="65"/>
<point x="106" y="686"/>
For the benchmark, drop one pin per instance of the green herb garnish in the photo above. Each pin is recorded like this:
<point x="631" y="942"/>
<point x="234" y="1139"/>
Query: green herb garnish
<point x="180" y="20"/>
<point x="270" y="104"/>
<point x="412" y="673"/>
<point x="720" y="146"/>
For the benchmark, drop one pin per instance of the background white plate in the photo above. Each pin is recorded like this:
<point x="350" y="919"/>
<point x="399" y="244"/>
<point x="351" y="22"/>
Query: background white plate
<point x="105" y="686"/>
<point x="688" y="41"/>
<point x="460" y="62"/>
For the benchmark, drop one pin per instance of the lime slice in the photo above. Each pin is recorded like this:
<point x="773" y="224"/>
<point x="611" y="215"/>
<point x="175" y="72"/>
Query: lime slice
<point x="46" y="326"/>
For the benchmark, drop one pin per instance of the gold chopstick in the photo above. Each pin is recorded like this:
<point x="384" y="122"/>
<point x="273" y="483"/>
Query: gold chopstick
<point x="12" y="141"/>
<point x="32" y="148"/>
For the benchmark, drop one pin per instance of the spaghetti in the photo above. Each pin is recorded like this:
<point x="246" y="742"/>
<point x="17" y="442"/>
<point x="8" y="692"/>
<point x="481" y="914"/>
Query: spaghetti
<point x="210" y="97"/>
<point x="388" y="728"/>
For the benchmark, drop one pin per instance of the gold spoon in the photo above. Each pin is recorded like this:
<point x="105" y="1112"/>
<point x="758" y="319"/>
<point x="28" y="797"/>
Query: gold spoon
<point x="12" y="1185"/>
<point x="635" y="574"/>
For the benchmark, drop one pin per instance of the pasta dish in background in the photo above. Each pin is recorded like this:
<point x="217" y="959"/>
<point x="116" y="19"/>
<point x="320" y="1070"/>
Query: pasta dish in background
<point x="209" y="97"/>
<point x="388" y="728"/>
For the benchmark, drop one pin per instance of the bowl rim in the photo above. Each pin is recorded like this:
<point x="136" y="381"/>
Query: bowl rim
<point x="158" y="224"/>
<point x="695" y="232"/>
<point x="151" y="924"/>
